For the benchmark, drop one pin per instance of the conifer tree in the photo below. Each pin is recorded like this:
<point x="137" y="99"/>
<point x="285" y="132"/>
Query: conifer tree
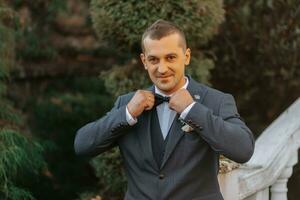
<point x="20" y="156"/>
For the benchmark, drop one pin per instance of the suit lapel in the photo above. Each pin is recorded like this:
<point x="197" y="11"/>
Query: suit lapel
<point x="145" y="138"/>
<point x="197" y="91"/>
<point x="175" y="134"/>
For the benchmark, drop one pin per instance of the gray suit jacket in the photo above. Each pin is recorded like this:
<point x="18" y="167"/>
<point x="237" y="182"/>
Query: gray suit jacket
<point x="191" y="160"/>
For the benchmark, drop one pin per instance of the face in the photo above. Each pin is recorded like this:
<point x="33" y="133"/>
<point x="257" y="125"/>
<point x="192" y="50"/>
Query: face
<point x="165" y="61"/>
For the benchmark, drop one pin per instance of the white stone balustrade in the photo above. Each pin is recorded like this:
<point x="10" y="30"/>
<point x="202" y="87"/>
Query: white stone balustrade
<point x="265" y="176"/>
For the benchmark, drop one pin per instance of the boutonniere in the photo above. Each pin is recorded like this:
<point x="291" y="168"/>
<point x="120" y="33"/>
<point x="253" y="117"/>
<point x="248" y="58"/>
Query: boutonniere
<point x="186" y="128"/>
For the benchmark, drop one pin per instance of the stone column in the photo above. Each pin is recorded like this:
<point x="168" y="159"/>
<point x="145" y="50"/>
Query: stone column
<point x="279" y="188"/>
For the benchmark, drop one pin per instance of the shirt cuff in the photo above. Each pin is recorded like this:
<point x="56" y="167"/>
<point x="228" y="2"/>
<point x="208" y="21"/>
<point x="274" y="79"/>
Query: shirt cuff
<point x="131" y="121"/>
<point x="186" y="110"/>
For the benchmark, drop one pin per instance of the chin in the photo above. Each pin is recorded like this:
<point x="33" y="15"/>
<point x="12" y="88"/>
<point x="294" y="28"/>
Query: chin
<point x="165" y="87"/>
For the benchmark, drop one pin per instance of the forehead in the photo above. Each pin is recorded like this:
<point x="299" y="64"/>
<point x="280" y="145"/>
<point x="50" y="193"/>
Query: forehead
<point x="165" y="45"/>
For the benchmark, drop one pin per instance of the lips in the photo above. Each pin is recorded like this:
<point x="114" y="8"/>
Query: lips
<point x="164" y="76"/>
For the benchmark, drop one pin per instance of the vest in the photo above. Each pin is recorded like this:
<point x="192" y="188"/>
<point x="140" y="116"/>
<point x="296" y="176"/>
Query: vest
<point x="157" y="140"/>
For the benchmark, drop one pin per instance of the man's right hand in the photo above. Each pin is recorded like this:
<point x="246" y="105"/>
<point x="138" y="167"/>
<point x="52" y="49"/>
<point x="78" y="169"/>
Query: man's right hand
<point x="142" y="100"/>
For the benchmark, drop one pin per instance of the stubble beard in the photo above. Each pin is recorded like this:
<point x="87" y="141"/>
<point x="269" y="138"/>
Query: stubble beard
<point x="167" y="86"/>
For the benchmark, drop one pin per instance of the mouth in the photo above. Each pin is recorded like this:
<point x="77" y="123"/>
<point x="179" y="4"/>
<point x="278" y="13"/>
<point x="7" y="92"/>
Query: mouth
<point x="164" y="77"/>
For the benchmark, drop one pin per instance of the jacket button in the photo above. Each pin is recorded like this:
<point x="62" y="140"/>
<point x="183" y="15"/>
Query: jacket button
<point x="161" y="176"/>
<point x="200" y="128"/>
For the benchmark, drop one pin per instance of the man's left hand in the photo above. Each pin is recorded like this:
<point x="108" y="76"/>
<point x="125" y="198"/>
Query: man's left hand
<point x="180" y="100"/>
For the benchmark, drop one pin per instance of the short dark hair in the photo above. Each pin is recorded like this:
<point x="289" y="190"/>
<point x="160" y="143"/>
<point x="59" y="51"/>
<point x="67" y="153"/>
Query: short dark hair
<point x="162" y="28"/>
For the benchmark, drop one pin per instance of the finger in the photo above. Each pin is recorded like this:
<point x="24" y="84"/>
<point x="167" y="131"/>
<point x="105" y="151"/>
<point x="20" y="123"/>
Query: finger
<point x="172" y="98"/>
<point x="151" y="99"/>
<point x="149" y="105"/>
<point x="150" y="95"/>
<point x="148" y="108"/>
<point x="171" y="106"/>
<point x="147" y="94"/>
<point x="150" y="102"/>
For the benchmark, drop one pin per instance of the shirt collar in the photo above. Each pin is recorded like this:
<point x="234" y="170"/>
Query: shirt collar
<point x="158" y="91"/>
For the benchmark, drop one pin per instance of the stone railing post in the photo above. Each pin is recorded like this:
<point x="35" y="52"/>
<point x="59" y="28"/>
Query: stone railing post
<point x="279" y="188"/>
<point x="260" y="195"/>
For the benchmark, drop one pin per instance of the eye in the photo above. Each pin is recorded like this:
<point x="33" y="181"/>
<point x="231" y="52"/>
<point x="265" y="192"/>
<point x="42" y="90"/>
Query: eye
<point x="171" y="58"/>
<point x="153" y="60"/>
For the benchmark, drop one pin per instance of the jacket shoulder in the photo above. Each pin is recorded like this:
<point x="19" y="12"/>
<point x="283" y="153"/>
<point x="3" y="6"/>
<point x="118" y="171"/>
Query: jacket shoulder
<point x="212" y="92"/>
<point x="213" y="98"/>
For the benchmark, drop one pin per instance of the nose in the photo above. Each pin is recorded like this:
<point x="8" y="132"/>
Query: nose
<point x="162" y="68"/>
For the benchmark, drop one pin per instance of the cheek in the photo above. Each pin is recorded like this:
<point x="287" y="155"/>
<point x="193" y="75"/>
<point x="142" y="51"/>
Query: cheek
<point x="151" y="70"/>
<point x="180" y="68"/>
<point x="151" y="74"/>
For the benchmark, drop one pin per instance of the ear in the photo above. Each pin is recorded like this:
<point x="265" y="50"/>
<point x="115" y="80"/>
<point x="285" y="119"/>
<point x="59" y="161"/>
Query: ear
<point x="143" y="59"/>
<point x="187" y="56"/>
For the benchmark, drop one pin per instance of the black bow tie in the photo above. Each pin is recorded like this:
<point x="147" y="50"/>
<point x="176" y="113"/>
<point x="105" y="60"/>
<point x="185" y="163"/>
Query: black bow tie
<point x="160" y="99"/>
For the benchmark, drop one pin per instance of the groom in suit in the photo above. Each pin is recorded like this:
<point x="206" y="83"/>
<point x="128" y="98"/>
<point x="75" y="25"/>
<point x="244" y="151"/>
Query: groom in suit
<point x="172" y="134"/>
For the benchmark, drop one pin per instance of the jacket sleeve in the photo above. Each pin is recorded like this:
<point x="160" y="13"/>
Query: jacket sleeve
<point x="226" y="133"/>
<point x="101" y="135"/>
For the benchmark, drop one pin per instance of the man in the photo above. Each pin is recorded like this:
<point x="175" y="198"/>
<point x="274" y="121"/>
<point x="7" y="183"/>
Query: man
<point x="170" y="135"/>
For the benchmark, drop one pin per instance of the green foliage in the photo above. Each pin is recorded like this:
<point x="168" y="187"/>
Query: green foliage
<point x="6" y="49"/>
<point x="118" y="80"/>
<point x="89" y="196"/>
<point x="200" y="68"/>
<point x="31" y="46"/>
<point x="18" y="193"/>
<point x="122" y="23"/>
<point x="109" y="170"/>
<point x="56" y="113"/>
<point x="258" y="57"/>
<point x="21" y="158"/>
<point x="8" y="113"/>
<point x="33" y="32"/>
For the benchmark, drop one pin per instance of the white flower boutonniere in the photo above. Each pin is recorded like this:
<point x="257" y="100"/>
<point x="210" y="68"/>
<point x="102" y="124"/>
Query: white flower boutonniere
<point x="186" y="128"/>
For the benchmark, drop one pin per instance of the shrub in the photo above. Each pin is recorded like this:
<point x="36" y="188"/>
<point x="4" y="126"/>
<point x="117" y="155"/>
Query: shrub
<point x="121" y="24"/>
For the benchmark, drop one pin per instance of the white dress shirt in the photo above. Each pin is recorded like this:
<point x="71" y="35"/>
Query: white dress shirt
<point x="165" y="114"/>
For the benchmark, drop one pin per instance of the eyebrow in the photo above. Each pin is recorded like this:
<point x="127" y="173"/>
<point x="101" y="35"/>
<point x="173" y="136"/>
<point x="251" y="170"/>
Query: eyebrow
<point x="169" y="54"/>
<point x="172" y="54"/>
<point x="151" y="56"/>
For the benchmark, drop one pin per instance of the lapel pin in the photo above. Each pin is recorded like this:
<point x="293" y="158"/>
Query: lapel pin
<point x="197" y="96"/>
